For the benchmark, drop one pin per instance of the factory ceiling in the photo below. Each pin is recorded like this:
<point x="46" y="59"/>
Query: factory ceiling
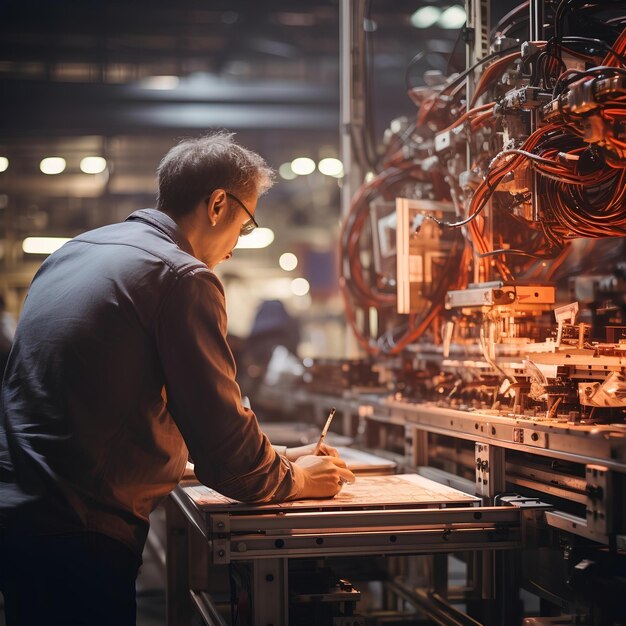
<point x="91" y="67"/>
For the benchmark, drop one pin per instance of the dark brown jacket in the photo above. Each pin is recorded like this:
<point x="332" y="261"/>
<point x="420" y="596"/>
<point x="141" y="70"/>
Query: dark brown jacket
<point x="87" y="440"/>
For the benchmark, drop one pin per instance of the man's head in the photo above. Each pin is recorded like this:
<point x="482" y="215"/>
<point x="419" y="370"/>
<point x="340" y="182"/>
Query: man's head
<point x="210" y="186"/>
<point x="195" y="168"/>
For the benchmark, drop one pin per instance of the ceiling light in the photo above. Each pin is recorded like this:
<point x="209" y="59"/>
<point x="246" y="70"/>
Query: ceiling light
<point x="286" y="172"/>
<point x="300" y="286"/>
<point x="425" y="17"/>
<point x="452" y="17"/>
<point x="4" y="164"/>
<point x="52" y="165"/>
<point x="93" y="165"/>
<point x="331" y="167"/>
<point x="288" y="261"/>
<point x="160" y="83"/>
<point x="43" y="245"/>
<point x="303" y="166"/>
<point x="258" y="238"/>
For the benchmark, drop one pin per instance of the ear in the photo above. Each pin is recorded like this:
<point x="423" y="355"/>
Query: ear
<point x="216" y="205"/>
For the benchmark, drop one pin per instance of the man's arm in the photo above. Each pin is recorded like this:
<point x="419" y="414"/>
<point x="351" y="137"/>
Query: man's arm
<point x="230" y="452"/>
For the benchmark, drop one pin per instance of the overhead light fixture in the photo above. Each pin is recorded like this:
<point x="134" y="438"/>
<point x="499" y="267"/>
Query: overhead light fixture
<point x="43" y="245"/>
<point x="288" y="261"/>
<point x="452" y="17"/>
<point x="93" y="164"/>
<point x="425" y="17"/>
<point x="160" y="83"/>
<point x="303" y="166"/>
<point x="331" y="167"/>
<point x="300" y="286"/>
<point x="52" y="165"/>
<point x="285" y="172"/>
<point x="4" y="164"/>
<point x="258" y="238"/>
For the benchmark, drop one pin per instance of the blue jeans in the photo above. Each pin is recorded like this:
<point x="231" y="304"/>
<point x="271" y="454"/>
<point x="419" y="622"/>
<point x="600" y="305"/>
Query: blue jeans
<point x="82" y="579"/>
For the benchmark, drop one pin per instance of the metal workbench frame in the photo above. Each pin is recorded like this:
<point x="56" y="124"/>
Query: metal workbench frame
<point x="266" y="540"/>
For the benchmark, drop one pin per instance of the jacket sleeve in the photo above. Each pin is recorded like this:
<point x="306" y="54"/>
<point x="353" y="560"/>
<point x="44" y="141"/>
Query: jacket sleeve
<point x="229" y="451"/>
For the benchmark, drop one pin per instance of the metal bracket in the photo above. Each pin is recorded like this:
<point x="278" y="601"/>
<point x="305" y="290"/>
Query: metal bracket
<point x="530" y="437"/>
<point x="599" y="499"/>
<point x="490" y="470"/>
<point x="533" y="522"/>
<point x="219" y="524"/>
<point x="221" y="551"/>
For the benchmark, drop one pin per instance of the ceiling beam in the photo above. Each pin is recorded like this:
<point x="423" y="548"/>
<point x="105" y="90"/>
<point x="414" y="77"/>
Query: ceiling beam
<point x="39" y="108"/>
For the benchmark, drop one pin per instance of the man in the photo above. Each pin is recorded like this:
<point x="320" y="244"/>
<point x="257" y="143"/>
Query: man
<point x="118" y="368"/>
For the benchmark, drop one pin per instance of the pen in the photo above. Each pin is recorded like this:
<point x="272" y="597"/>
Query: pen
<point x="324" y="431"/>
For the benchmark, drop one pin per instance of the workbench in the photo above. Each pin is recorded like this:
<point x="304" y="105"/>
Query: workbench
<point x="404" y="514"/>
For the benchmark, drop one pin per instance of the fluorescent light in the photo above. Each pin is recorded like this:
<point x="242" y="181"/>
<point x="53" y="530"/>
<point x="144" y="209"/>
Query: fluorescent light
<point x="43" y="245"/>
<point x="303" y="166"/>
<point x="300" y="286"/>
<point x="452" y="17"/>
<point x="288" y="261"/>
<point x="425" y="17"/>
<point x="4" y="164"/>
<point x="331" y="167"/>
<point x="52" y="165"/>
<point x="93" y="164"/>
<point x="160" y="83"/>
<point x="258" y="238"/>
<point x="286" y="172"/>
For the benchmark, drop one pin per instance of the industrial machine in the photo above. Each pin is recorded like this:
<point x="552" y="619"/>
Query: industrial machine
<point x="483" y="262"/>
<point x="483" y="265"/>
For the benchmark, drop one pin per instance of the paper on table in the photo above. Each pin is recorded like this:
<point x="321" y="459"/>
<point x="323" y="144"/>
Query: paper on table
<point x="402" y="490"/>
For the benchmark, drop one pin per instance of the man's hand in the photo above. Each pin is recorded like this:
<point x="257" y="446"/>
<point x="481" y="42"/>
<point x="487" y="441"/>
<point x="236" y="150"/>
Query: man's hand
<point x="324" y="476"/>
<point x="293" y="454"/>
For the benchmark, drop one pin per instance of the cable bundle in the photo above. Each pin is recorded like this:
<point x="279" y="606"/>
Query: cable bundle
<point x="358" y="285"/>
<point x="574" y="151"/>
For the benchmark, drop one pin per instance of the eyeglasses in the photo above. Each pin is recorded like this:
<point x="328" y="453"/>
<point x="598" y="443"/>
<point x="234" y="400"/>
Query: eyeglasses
<point x="251" y="224"/>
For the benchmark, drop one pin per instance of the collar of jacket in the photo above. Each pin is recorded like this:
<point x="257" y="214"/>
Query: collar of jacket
<point x="163" y="222"/>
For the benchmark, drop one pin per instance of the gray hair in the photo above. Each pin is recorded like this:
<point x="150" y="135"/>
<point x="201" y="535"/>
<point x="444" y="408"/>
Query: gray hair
<point x="196" y="167"/>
